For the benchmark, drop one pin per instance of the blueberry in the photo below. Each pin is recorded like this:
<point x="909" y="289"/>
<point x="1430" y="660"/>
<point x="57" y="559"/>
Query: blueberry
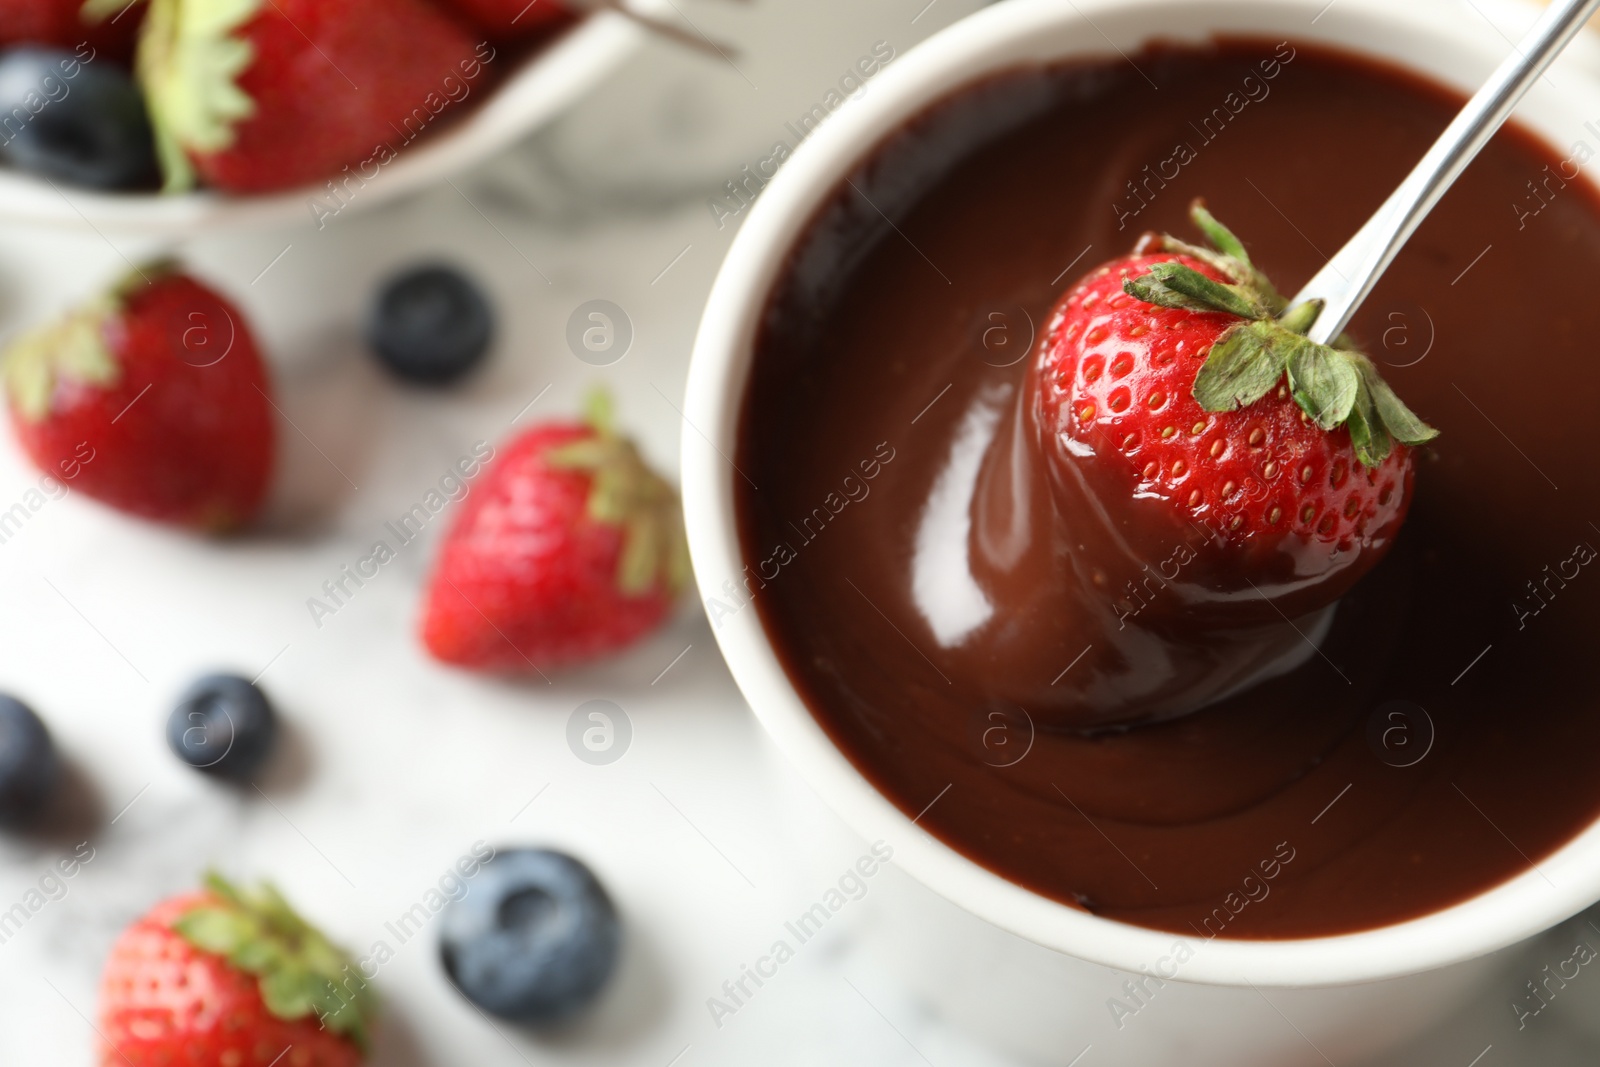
<point x="29" y="766"/>
<point x="223" y="725"/>
<point x="534" y="940"/>
<point x="83" y="123"/>
<point x="430" y="324"/>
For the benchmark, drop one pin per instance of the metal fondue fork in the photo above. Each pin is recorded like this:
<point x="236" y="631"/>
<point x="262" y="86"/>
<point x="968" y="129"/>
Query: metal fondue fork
<point x="1352" y="272"/>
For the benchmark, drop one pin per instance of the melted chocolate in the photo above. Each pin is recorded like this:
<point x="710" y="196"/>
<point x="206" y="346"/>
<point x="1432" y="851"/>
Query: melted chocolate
<point x="1432" y="738"/>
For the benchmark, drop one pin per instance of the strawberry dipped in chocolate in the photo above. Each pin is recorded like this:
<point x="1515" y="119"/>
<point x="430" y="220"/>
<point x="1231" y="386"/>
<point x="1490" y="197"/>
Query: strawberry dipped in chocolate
<point x="1202" y="481"/>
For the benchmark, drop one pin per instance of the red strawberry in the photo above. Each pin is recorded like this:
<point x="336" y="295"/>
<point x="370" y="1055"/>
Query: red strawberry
<point x="568" y="547"/>
<point x="512" y="19"/>
<point x="109" y="27"/>
<point x="1174" y="380"/>
<point x="151" y="398"/>
<point x="224" y="978"/>
<point x="258" y="95"/>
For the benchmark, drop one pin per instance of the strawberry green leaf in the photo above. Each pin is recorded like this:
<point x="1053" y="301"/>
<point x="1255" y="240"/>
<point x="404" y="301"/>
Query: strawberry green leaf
<point x="626" y="492"/>
<point x="288" y="993"/>
<point x="641" y="551"/>
<point x="1368" y="436"/>
<point x="1401" y="422"/>
<point x="217" y="930"/>
<point x="1237" y="272"/>
<point x="1241" y="368"/>
<point x="257" y="957"/>
<point x="1174" y="285"/>
<point x="1221" y="238"/>
<point x="1226" y="255"/>
<point x="590" y="453"/>
<point x="300" y="973"/>
<point x="191" y="55"/>
<point x="72" y="349"/>
<point x="1324" y="382"/>
<point x="225" y="889"/>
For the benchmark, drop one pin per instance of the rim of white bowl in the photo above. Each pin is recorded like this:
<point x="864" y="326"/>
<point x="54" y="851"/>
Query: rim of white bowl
<point x="1439" y="39"/>
<point x="542" y="86"/>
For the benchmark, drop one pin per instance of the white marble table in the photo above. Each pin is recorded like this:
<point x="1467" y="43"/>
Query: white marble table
<point x="395" y="766"/>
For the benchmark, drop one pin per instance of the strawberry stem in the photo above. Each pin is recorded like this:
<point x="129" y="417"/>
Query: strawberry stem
<point x="1301" y="317"/>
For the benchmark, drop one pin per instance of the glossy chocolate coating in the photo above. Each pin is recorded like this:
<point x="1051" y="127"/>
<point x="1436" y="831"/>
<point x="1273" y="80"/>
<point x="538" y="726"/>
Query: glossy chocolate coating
<point x="1442" y="734"/>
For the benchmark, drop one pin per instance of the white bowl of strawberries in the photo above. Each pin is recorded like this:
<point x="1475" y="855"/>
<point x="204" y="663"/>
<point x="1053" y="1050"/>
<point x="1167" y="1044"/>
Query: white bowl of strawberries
<point x="170" y="116"/>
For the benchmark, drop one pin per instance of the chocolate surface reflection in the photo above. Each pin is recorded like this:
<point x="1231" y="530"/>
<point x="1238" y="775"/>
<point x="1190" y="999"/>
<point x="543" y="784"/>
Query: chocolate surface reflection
<point x="927" y="634"/>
